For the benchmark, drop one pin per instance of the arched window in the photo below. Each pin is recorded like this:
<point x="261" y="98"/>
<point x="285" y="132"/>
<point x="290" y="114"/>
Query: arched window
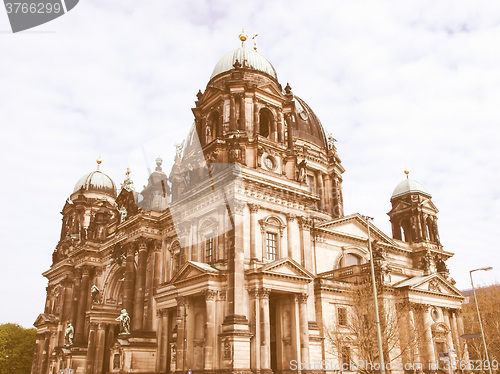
<point x="405" y="224"/>
<point x="208" y="237"/>
<point x="212" y="127"/>
<point x="349" y="259"/>
<point x="430" y="232"/>
<point x="352" y="259"/>
<point x="265" y="122"/>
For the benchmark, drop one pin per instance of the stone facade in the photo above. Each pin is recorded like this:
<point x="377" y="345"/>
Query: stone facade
<point x="242" y="259"/>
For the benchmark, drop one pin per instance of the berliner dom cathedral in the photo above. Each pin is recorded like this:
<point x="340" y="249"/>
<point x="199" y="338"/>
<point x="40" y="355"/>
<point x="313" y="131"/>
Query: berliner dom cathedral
<point x="239" y="256"/>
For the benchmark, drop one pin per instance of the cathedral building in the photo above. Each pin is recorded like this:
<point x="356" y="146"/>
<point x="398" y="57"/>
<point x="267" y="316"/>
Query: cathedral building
<point x="242" y="259"/>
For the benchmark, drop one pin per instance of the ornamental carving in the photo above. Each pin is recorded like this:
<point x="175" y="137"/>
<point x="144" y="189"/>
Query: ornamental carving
<point x="254" y="208"/>
<point x="264" y="293"/>
<point x="210" y="295"/>
<point x="301" y="298"/>
<point x="434" y="286"/>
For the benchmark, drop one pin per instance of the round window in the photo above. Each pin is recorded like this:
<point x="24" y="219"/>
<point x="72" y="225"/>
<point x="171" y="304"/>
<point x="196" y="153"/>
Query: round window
<point x="435" y="314"/>
<point x="270" y="162"/>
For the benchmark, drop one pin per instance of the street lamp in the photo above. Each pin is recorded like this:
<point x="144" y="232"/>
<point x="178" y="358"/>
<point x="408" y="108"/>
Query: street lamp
<point x="375" y="299"/>
<point x="486" y="268"/>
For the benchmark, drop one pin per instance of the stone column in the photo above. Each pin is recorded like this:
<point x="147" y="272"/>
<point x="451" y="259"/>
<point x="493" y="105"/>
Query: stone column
<point x="138" y="316"/>
<point x="235" y="305"/>
<point x="255" y="330"/>
<point x="265" y="333"/>
<point x="91" y="349"/>
<point x="321" y="190"/>
<point x="290" y="218"/>
<point x="45" y="353"/>
<point x="166" y="336"/>
<point x="429" y="343"/>
<point x="305" y="243"/>
<point x="304" y="328"/>
<point x="195" y="247"/>
<point x="296" y="342"/>
<point x="210" y="336"/>
<point x="328" y="193"/>
<point x="449" y="337"/>
<point x="181" y="331"/>
<point x="253" y="232"/>
<point x="256" y="119"/>
<point x="154" y="282"/>
<point x="232" y="114"/>
<point x="415" y="350"/>
<point x="454" y="331"/>
<point x="243" y="121"/>
<point x="74" y="297"/>
<point x="65" y="308"/>
<point x="460" y="323"/>
<point x="128" y="284"/>
<point x="221" y="243"/>
<point x="100" y="348"/>
<point x="82" y="305"/>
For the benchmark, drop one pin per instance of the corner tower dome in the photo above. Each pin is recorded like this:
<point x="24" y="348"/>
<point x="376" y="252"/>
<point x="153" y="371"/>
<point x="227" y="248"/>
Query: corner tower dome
<point x="407" y="186"/>
<point x="248" y="59"/>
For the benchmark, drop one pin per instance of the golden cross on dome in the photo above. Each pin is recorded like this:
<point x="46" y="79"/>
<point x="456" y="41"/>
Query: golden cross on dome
<point x="255" y="42"/>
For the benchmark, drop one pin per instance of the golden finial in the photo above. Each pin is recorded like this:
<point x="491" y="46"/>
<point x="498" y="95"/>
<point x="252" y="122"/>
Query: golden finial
<point x="407" y="172"/>
<point x="243" y="37"/>
<point x="255" y="42"/>
<point x="99" y="160"/>
<point x="128" y="172"/>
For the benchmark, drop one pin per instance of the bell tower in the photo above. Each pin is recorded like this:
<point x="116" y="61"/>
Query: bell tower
<point x="413" y="215"/>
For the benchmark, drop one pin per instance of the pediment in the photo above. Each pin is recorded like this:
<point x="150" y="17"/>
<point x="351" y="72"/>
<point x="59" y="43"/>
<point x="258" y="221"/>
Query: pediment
<point x="434" y="283"/>
<point x="210" y="94"/>
<point x="192" y="270"/>
<point x="67" y="205"/>
<point x="270" y="88"/>
<point x="354" y="225"/>
<point x="45" y="318"/>
<point x="286" y="267"/>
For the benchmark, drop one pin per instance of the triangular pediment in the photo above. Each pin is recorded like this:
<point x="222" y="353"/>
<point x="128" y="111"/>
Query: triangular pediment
<point x="270" y="88"/>
<point x="210" y="94"/>
<point x="192" y="270"/>
<point x="286" y="267"/>
<point x="434" y="283"/>
<point x="45" y="318"/>
<point x="355" y="226"/>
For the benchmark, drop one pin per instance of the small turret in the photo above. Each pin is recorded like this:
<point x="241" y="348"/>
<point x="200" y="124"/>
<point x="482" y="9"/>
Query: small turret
<point x="413" y="215"/>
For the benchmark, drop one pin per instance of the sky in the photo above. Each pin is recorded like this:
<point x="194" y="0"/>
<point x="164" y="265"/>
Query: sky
<point x="401" y="85"/>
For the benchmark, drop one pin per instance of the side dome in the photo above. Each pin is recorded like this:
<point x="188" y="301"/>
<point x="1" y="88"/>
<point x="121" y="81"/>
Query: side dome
<point x="407" y="186"/>
<point x="98" y="182"/>
<point x="307" y="125"/>
<point x="248" y="59"/>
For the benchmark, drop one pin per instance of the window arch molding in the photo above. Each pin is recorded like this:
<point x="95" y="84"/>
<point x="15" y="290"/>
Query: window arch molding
<point x="207" y="236"/>
<point x="352" y="256"/>
<point x="272" y="228"/>
<point x="177" y="255"/>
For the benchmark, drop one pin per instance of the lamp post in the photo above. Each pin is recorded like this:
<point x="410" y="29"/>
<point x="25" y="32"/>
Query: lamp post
<point x="486" y="268"/>
<point x="375" y="299"/>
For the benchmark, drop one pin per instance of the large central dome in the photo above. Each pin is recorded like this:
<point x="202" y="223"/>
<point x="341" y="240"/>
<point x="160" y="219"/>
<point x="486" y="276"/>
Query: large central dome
<point x="248" y="59"/>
